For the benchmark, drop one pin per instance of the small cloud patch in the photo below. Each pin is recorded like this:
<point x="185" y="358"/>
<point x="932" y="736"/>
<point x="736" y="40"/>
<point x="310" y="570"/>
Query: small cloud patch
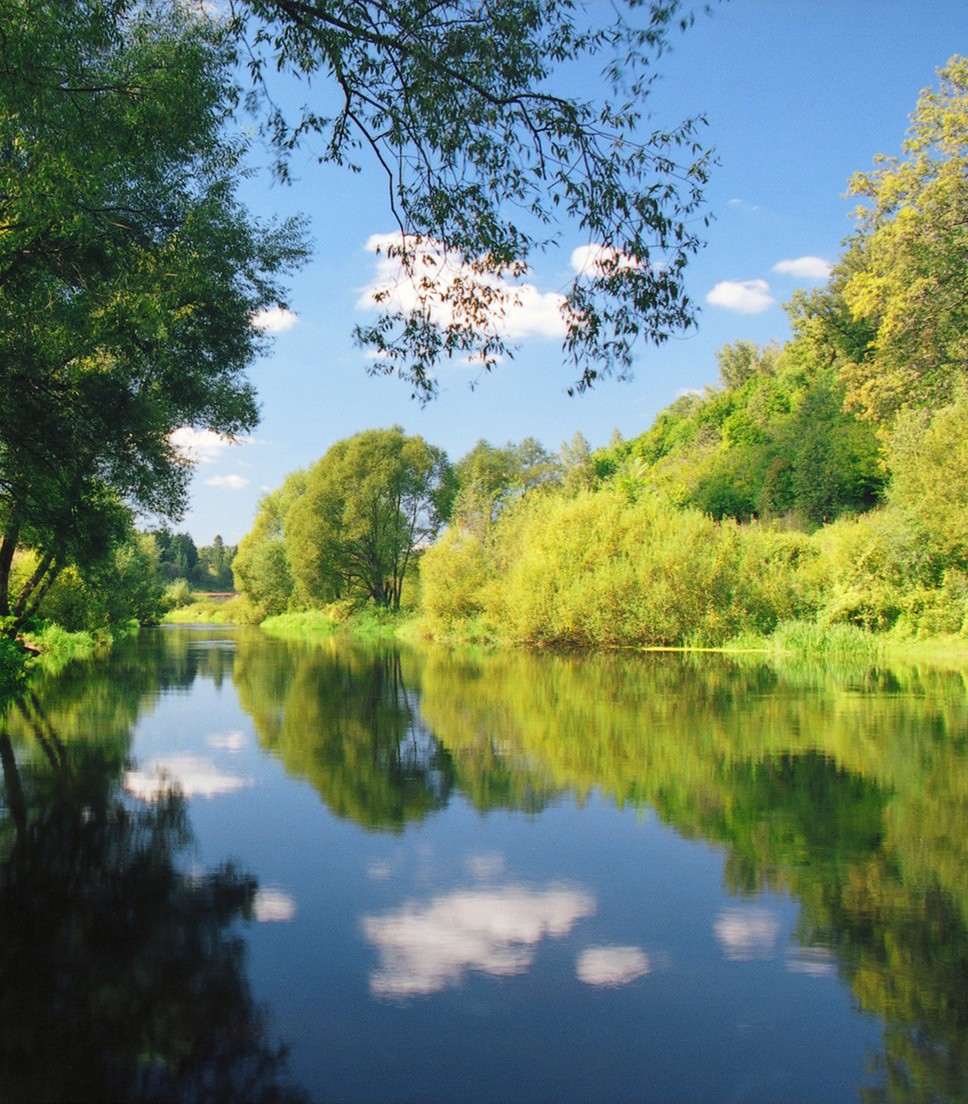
<point x="443" y="286"/>
<point x="274" y="320"/>
<point x="199" y="445"/>
<point x="742" y="296"/>
<point x="188" y="774"/>
<point x="273" y="906"/>
<point x="226" y="741"/>
<point x="747" y="934"/>
<point x="804" y="268"/>
<point x="230" y="482"/>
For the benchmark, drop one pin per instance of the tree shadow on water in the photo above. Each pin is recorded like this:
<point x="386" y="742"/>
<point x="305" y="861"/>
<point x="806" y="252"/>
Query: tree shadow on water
<point x="122" y="974"/>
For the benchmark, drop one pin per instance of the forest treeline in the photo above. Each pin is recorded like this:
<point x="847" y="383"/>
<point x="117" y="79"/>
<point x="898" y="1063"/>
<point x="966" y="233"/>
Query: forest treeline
<point x="822" y="481"/>
<point x="820" y="487"/>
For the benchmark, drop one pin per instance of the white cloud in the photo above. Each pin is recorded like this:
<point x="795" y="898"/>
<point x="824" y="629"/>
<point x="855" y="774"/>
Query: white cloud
<point x="189" y="774"/>
<point x="426" y="948"/>
<point x="202" y="445"/>
<point x="232" y="482"/>
<point x="742" y="296"/>
<point x="590" y="257"/>
<point x="274" y="320"/>
<point x="610" y="967"/>
<point x="226" y="741"/>
<point x="518" y="310"/>
<point x="747" y="933"/>
<point x="805" y="268"/>
<point x="273" y="905"/>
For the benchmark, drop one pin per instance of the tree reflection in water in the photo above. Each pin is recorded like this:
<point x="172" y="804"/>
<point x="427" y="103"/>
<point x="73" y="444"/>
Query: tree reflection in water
<point x="120" y="975"/>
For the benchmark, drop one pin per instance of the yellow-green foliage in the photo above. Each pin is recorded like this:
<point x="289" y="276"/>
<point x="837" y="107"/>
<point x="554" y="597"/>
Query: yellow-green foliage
<point x="929" y="468"/>
<point x="881" y="575"/>
<point x="453" y="576"/>
<point x="599" y="570"/>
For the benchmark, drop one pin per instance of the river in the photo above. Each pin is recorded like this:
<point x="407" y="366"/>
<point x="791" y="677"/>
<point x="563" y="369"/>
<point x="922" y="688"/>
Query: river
<point x="240" y="868"/>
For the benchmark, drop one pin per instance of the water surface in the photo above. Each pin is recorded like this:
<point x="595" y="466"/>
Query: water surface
<point x="494" y="878"/>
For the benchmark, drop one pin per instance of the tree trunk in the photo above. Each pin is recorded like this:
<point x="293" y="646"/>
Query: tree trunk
<point x="33" y="591"/>
<point x="8" y="545"/>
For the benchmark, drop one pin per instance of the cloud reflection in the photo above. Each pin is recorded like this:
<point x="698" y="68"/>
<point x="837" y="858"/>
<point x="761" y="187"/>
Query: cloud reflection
<point x="425" y="948"/>
<point x="813" y="961"/>
<point x="273" y="905"/>
<point x="610" y="967"/>
<point x="226" y="741"/>
<point x="190" y="774"/>
<point x="746" y="934"/>
<point x="486" y="868"/>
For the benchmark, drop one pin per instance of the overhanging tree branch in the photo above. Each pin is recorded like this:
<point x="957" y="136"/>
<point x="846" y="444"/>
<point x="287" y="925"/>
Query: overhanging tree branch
<point x="488" y="159"/>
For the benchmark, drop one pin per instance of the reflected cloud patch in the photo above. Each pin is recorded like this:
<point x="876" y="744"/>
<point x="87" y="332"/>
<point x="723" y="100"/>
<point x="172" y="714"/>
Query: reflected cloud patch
<point x="226" y="741"/>
<point x="426" y="948"/>
<point x="189" y="774"/>
<point x="814" y="961"/>
<point x="273" y="905"/>
<point x="746" y="934"/>
<point x="486" y="868"/>
<point x="611" y="967"/>
<point x="378" y="870"/>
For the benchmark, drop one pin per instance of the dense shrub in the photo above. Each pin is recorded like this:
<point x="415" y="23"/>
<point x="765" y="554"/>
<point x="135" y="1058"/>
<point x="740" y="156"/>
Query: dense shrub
<point x="601" y="570"/>
<point x="454" y="574"/>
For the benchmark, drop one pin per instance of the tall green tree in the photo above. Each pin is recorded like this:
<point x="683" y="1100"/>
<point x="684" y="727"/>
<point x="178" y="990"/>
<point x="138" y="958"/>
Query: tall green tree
<point x="261" y="566"/>
<point x="490" y="477"/>
<point x="909" y="266"/>
<point x="129" y="272"/>
<point x="370" y="504"/>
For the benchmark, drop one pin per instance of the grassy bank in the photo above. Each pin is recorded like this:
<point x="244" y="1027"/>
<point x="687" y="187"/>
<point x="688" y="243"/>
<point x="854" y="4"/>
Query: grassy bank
<point x="48" y="649"/>
<point x="369" y="623"/>
<point x="836" y="644"/>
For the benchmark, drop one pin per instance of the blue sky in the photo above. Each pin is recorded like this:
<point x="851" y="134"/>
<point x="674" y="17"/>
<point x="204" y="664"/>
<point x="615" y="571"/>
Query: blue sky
<point x="798" y="94"/>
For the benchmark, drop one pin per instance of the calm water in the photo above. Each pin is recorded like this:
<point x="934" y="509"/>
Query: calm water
<point x="497" y="879"/>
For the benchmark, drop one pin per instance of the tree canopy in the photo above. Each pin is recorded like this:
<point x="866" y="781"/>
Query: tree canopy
<point x="369" y="504"/>
<point x="906" y="272"/>
<point x="129" y="273"/>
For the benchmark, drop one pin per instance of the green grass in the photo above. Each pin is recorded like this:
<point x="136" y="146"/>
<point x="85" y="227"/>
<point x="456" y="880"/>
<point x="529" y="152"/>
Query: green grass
<point x="57" y="647"/>
<point x="304" y="625"/>
<point x="196" y="613"/>
<point x="938" y="651"/>
<point x="369" y="623"/>
<point x="832" y="643"/>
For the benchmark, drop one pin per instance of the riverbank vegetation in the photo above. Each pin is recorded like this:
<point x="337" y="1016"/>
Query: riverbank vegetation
<point x="130" y="276"/>
<point x="818" y="493"/>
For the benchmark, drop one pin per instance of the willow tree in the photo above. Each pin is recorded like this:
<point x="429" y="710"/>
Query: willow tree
<point x="500" y="127"/>
<point x="129" y="273"/>
<point x="369" y="505"/>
